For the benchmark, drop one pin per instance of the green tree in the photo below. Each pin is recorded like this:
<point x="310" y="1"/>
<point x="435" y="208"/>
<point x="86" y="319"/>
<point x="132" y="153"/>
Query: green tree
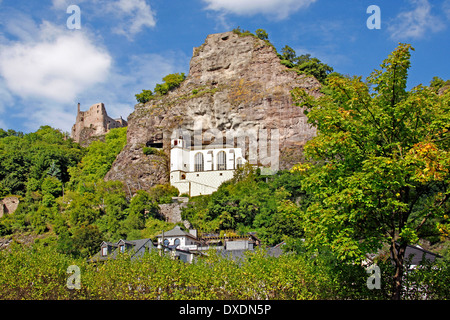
<point x="98" y="159"/>
<point x="262" y="34"/>
<point x="316" y="68"/>
<point x="163" y="193"/>
<point x="171" y="81"/>
<point x="144" y="96"/>
<point x="143" y="205"/>
<point x="52" y="186"/>
<point x="437" y="83"/>
<point x="174" y="80"/>
<point x="288" y="53"/>
<point x="305" y="64"/>
<point x="383" y="175"/>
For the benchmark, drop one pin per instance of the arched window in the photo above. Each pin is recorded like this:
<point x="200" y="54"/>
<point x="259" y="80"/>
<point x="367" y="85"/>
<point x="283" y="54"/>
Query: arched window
<point x="176" y="242"/>
<point x="239" y="163"/>
<point x="198" y="162"/>
<point x="221" y="160"/>
<point x="166" y="242"/>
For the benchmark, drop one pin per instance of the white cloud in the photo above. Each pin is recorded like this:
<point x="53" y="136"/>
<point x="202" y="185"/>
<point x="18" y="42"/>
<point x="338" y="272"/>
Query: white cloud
<point x="58" y="65"/>
<point x="44" y="70"/>
<point x="277" y="9"/>
<point x="446" y="8"/>
<point x="415" y="23"/>
<point x="133" y="16"/>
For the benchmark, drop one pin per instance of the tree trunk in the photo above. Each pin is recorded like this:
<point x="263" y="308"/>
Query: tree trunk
<point x="397" y="254"/>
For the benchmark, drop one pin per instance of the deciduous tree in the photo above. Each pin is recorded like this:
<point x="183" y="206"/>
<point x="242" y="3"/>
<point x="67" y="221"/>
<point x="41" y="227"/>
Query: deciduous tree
<point x="384" y="163"/>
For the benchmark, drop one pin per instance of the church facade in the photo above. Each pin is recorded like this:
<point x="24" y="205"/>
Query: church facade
<point x="201" y="170"/>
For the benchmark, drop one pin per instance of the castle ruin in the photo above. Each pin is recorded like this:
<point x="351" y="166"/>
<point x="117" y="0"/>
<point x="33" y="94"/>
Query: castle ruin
<point x="94" y="122"/>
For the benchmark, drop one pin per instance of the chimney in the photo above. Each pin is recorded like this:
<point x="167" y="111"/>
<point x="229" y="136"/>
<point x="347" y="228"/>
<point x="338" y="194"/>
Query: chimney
<point x="193" y="232"/>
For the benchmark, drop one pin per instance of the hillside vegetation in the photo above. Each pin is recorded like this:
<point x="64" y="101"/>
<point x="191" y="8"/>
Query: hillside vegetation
<point x="376" y="176"/>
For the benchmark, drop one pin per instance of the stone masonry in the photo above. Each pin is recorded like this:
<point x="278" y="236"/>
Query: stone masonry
<point x="94" y="122"/>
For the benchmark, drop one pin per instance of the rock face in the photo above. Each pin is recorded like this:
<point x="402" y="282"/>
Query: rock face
<point x="172" y="211"/>
<point x="8" y="205"/>
<point x="235" y="84"/>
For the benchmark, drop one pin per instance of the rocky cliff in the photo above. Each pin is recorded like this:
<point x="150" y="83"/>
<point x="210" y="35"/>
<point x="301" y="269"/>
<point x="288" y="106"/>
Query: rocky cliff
<point x="235" y="83"/>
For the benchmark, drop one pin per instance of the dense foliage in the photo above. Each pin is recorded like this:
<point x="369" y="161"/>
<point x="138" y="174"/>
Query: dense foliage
<point x="40" y="272"/>
<point x="63" y="194"/>
<point x="251" y="202"/>
<point x="383" y="164"/>
<point x="27" y="160"/>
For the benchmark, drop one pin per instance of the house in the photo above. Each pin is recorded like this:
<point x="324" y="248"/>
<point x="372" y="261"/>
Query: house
<point x="200" y="171"/>
<point x="184" y="246"/>
<point x="179" y="239"/>
<point x="181" y="244"/>
<point x="136" y="248"/>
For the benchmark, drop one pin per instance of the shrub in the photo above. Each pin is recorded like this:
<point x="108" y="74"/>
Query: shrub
<point x="287" y="63"/>
<point x="149" y="150"/>
<point x="144" y="96"/>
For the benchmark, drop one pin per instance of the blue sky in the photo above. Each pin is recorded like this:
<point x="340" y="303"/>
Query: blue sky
<point x="124" y="46"/>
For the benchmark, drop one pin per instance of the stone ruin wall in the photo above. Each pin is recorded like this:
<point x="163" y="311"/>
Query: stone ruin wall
<point x="94" y="122"/>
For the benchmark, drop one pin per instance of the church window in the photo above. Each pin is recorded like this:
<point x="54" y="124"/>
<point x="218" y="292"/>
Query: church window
<point x="198" y="162"/>
<point x="221" y="160"/>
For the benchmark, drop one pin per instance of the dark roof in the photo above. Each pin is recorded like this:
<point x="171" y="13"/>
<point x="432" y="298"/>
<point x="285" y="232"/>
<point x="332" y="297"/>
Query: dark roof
<point x="414" y="255"/>
<point x="137" y="246"/>
<point x="233" y="254"/>
<point x="110" y="244"/>
<point x="176" y="232"/>
<point x="276" y="251"/>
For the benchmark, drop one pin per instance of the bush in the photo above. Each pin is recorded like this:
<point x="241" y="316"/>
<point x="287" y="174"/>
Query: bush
<point x="144" y="96"/>
<point x="171" y="81"/>
<point x="149" y="150"/>
<point x="174" y="80"/>
<point x="163" y="193"/>
<point x="262" y="34"/>
<point x="161" y="89"/>
<point x="287" y="63"/>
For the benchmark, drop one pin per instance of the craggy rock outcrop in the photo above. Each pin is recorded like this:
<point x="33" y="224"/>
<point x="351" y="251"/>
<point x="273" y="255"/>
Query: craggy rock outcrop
<point x="235" y="83"/>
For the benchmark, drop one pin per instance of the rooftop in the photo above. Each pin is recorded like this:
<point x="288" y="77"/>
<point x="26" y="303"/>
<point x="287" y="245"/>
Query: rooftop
<point x="176" y="232"/>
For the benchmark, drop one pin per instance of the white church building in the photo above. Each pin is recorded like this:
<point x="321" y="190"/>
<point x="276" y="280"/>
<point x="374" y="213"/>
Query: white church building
<point x="201" y="170"/>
